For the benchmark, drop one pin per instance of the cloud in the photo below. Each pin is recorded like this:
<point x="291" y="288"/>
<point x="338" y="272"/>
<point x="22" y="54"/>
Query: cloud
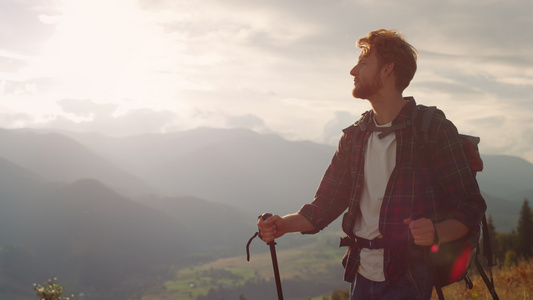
<point x="447" y="87"/>
<point x="101" y="117"/>
<point x="491" y="121"/>
<point x="246" y="121"/>
<point x="30" y="31"/>
<point x="10" y="119"/>
<point x="333" y="128"/>
<point x="11" y="64"/>
<point x="275" y="65"/>
<point x="87" y="108"/>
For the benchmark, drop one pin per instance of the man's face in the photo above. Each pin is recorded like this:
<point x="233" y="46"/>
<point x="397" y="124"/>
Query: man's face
<point x="367" y="80"/>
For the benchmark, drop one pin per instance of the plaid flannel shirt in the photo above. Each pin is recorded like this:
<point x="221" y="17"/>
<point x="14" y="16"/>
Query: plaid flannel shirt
<point x="436" y="181"/>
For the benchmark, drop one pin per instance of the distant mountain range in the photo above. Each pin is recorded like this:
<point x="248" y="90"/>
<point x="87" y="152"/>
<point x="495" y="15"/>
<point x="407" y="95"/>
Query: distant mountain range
<point x="101" y="210"/>
<point x="257" y="173"/>
<point x="57" y="157"/>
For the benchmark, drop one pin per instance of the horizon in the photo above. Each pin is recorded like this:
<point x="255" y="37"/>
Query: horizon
<point x="75" y="132"/>
<point x="129" y="67"/>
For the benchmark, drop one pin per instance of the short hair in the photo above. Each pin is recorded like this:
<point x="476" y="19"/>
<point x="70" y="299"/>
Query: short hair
<point x="391" y="46"/>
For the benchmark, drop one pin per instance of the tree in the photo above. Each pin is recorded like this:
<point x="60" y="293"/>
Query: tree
<point x="510" y="258"/>
<point x="492" y="237"/>
<point x="504" y="242"/>
<point x="524" y="230"/>
<point x="491" y="228"/>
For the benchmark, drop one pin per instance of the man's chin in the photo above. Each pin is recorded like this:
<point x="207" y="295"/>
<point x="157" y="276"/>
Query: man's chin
<point x="354" y="93"/>
<point x="357" y="94"/>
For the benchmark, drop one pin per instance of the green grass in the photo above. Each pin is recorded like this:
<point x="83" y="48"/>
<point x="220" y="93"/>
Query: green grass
<point x="192" y="282"/>
<point x="321" y="252"/>
<point x="511" y="283"/>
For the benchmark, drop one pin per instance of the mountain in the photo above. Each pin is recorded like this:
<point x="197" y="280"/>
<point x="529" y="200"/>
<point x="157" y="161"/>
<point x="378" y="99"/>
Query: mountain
<point x="218" y="227"/>
<point x="83" y="231"/>
<point x="252" y="172"/>
<point x="527" y="194"/>
<point x="15" y="179"/>
<point x="504" y="213"/>
<point x="101" y="241"/>
<point x="256" y="172"/>
<point x="115" y="215"/>
<point x="505" y="176"/>
<point x="16" y="186"/>
<point x="59" y="158"/>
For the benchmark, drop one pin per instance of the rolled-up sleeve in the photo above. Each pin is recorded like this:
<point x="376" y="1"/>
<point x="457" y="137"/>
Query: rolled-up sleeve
<point x="333" y="194"/>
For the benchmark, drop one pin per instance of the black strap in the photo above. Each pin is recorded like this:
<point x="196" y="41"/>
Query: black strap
<point x="487" y="247"/>
<point x="385" y="131"/>
<point x="426" y="120"/>
<point x="468" y="282"/>
<point x="377" y="243"/>
<point x="436" y="282"/>
<point x="488" y="282"/>
<point x="248" y="245"/>
<point x="487" y="253"/>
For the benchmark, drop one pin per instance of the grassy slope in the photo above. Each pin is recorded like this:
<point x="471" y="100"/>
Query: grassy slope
<point x="323" y="254"/>
<point x="511" y="283"/>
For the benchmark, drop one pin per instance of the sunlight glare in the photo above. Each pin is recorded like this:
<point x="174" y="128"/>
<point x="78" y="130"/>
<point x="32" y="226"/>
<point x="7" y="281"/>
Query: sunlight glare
<point x="95" y="45"/>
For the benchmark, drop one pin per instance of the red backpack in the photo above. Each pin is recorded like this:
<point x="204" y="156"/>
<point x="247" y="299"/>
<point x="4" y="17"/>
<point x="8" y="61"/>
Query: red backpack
<point x="452" y="260"/>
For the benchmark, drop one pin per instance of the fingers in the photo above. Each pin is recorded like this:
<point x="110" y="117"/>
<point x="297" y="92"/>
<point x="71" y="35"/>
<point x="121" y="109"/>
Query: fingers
<point x="422" y="230"/>
<point x="268" y="228"/>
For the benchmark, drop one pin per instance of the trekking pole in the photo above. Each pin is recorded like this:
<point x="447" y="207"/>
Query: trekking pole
<point x="273" y="255"/>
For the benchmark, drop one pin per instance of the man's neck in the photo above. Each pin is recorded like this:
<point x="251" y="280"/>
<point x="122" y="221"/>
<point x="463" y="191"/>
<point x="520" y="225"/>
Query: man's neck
<point x="387" y="108"/>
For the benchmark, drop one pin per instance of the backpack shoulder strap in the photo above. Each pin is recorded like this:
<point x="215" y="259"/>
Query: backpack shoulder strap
<point x="361" y="123"/>
<point x="422" y="123"/>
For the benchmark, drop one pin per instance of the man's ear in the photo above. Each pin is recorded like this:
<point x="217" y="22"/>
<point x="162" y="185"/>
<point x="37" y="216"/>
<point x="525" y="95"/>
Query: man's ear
<point x="388" y="69"/>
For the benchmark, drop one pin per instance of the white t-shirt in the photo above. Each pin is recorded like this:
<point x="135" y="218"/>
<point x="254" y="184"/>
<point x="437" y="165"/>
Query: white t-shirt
<point x="380" y="160"/>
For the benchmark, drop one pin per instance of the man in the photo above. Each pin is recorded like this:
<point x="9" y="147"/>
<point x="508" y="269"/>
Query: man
<point x="380" y="176"/>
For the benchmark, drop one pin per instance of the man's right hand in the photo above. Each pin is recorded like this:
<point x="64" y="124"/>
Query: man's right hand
<point x="276" y="226"/>
<point x="271" y="228"/>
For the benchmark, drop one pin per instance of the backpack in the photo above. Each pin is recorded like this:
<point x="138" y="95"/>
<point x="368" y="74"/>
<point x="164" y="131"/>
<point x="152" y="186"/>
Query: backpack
<point x="452" y="260"/>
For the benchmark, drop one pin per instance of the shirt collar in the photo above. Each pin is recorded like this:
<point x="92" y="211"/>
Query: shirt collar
<point x="403" y="115"/>
<point x="367" y="119"/>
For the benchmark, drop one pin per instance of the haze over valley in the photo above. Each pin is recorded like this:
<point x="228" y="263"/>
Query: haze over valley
<point x="112" y="216"/>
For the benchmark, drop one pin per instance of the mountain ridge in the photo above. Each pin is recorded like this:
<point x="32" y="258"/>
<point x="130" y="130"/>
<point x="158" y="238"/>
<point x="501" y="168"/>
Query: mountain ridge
<point x="60" y="158"/>
<point x="257" y="172"/>
<point x="206" y="188"/>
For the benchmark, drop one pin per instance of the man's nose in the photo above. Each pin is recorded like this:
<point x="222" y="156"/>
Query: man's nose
<point x="353" y="71"/>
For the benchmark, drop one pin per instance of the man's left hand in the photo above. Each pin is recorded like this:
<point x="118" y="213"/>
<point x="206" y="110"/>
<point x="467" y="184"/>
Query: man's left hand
<point x="422" y="230"/>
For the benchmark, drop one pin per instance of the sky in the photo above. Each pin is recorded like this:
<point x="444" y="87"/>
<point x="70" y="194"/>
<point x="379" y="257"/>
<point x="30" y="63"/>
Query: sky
<point x="127" y="67"/>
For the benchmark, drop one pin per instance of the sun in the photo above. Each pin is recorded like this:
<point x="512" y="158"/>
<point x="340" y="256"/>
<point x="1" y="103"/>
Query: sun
<point x="99" y="50"/>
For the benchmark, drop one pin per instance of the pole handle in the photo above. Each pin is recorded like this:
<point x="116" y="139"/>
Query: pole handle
<point x="264" y="217"/>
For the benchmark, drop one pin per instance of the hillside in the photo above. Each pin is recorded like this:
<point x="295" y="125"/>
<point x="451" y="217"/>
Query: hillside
<point x="503" y="212"/>
<point x="505" y="176"/>
<point x="238" y="167"/>
<point x="120" y="215"/>
<point x="101" y="241"/>
<point x="83" y="231"/>
<point x="218" y="230"/>
<point x="258" y="173"/>
<point x="59" y="158"/>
